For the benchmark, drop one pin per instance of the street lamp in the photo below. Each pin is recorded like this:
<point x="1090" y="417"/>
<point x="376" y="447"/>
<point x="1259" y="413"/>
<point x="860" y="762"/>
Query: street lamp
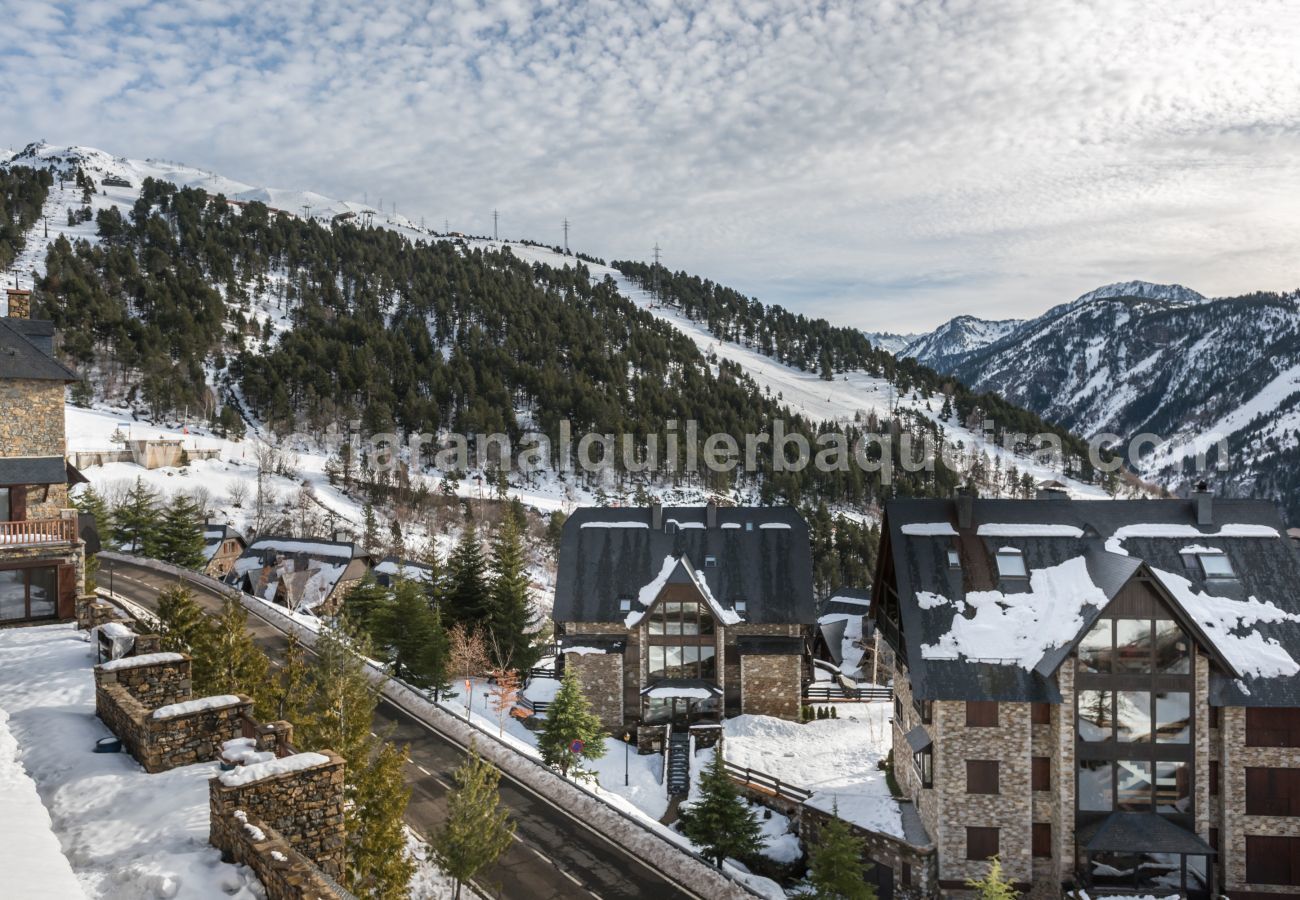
<point x="627" y="749"/>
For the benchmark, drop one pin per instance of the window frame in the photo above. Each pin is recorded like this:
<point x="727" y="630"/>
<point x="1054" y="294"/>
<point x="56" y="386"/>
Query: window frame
<point x="1040" y="773"/>
<point x="984" y="834"/>
<point x="1010" y="554"/>
<point x="978" y="712"/>
<point x="983" y="776"/>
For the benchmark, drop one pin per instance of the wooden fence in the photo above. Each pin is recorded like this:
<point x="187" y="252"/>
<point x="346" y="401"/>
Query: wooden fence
<point x="761" y="781"/>
<point x="834" y="693"/>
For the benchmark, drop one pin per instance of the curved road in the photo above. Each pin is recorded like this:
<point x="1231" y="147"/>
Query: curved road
<point x="554" y="855"/>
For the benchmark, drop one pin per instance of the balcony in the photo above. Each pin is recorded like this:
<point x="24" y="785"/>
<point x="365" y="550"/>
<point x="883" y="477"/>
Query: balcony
<point x="34" y="532"/>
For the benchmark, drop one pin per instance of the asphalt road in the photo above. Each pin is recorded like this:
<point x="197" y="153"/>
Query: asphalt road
<point x="554" y="855"/>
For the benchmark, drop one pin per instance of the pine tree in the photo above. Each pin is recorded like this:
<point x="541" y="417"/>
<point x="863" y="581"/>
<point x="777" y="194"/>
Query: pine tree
<point x="180" y="534"/>
<point x="512" y="623"/>
<point x="343" y="699"/>
<point x="568" y="719"/>
<point x="836" y="865"/>
<point x="994" y="885"/>
<point x="370" y="530"/>
<point x="90" y="501"/>
<point x="477" y="831"/>
<point x="363" y="604"/>
<point x="135" y="521"/>
<point x="720" y="823"/>
<point x="238" y="665"/>
<point x="415" y="636"/>
<point x="378" y="864"/>
<point x="185" y="628"/>
<point x="285" y="693"/>
<point x="466" y="598"/>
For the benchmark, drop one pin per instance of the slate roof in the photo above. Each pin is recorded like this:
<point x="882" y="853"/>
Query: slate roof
<point x="214" y="534"/>
<point x="1142" y="832"/>
<point x="33" y="470"/>
<point x="23" y="353"/>
<point x="848" y="601"/>
<point x="1266" y="568"/>
<point x="608" y="554"/>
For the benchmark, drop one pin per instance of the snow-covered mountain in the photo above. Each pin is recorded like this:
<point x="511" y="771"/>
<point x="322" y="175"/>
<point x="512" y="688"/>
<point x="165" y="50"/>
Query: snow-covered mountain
<point x="1137" y="358"/>
<point x="957" y="336"/>
<point x="891" y="342"/>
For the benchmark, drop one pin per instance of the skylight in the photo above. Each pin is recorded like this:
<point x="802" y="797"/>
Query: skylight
<point x="741" y="606"/>
<point x="710" y="562"/>
<point x="1215" y="565"/>
<point x="624" y="604"/>
<point x="954" y="559"/>
<point x="1011" y="564"/>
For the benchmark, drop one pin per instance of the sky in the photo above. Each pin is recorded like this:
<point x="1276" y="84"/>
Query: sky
<point x="887" y="165"/>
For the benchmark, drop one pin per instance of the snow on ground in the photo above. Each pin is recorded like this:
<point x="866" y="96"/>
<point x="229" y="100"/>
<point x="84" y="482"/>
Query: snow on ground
<point x="837" y="759"/>
<point x="27" y="841"/>
<point x="127" y="834"/>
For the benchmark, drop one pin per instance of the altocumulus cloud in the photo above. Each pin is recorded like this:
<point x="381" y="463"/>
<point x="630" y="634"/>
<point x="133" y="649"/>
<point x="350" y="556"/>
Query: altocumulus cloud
<point x="885" y="164"/>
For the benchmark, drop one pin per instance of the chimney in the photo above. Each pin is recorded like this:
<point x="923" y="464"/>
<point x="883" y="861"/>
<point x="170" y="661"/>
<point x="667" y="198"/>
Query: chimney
<point x="1203" y="497"/>
<point x="1051" y="493"/>
<point x="965" y="509"/>
<point x="711" y="514"/>
<point x="656" y="515"/>
<point x="20" y="304"/>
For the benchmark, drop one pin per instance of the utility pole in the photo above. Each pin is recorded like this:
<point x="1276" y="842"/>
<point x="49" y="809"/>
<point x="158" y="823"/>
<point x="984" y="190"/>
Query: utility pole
<point x="306" y="211"/>
<point x="655" y="271"/>
<point x="494" y="226"/>
<point x="566" y="234"/>
<point x="446" y="226"/>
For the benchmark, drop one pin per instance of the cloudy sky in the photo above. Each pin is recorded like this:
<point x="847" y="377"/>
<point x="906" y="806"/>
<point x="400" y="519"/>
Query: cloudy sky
<point x="885" y="164"/>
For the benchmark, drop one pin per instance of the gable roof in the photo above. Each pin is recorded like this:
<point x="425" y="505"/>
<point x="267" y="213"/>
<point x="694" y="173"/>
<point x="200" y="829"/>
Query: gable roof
<point x="310" y="569"/>
<point x="1251" y="623"/>
<point x="22" y="353"/>
<point x="762" y="557"/>
<point x="214" y="535"/>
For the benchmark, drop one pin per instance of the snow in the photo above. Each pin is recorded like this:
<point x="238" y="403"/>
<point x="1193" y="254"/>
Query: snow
<point x="929" y="529"/>
<point x="1018" y="629"/>
<point x="134" y="662"/>
<point x="780" y="844"/>
<point x="125" y="833"/>
<point x="408" y="572"/>
<point x="542" y="690"/>
<point x="837" y="759"/>
<point x="199" y="704"/>
<point x="850" y="651"/>
<point x="693" y="693"/>
<point x="585" y="651"/>
<point x="1016" y="529"/>
<point x="615" y="524"/>
<point x="271" y="768"/>
<point x="684" y="525"/>
<point x="27" y="840"/>
<point x="650" y="592"/>
<point x="1221" y="618"/>
<point x="244" y="752"/>
<point x="775" y="526"/>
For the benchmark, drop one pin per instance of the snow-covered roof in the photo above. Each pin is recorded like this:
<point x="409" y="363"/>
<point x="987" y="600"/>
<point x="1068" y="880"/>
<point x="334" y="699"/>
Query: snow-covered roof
<point x="135" y="662"/>
<point x="197" y="705"/>
<point x="270" y="769"/>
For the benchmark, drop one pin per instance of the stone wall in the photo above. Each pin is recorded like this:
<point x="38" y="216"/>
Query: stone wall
<point x="601" y="677"/>
<point x="304" y="806"/>
<point x="93" y="612"/>
<point x="160" y="745"/>
<point x="152" y="682"/>
<point x="916" y="873"/>
<point x="771" y="685"/>
<point x="31" y="419"/>
<point x="285" y="873"/>
<point x="1236" y="825"/>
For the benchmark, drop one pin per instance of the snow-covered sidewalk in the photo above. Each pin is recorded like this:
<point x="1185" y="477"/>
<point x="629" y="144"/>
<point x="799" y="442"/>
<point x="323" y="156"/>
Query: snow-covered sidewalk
<point x="126" y="834"/>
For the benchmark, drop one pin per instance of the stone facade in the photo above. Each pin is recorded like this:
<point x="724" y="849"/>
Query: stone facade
<point x="601" y="677"/>
<point x="915" y="869"/>
<point x="31" y="418"/>
<point x="285" y="873"/>
<point x="770" y="685"/>
<point x="152" y="684"/>
<point x="305" y="807"/>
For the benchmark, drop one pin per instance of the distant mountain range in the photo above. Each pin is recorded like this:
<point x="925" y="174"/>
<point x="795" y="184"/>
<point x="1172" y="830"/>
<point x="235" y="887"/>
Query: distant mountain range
<point x="1138" y="357"/>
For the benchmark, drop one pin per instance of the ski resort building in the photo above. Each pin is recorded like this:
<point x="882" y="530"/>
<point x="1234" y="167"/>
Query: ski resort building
<point x="42" y="557"/>
<point x="302" y="574"/>
<point x="1103" y="694"/>
<point x="682" y="615"/>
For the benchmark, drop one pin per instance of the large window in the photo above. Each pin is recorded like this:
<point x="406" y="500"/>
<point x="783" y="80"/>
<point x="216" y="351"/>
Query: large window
<point x="681" y="642"/>
<point x="681" y="661"/>
<point x="29" y="593"/>
<point x="680" y="618"/>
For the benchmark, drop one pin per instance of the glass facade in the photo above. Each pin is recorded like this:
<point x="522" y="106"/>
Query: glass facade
<point x="29" y="593"/>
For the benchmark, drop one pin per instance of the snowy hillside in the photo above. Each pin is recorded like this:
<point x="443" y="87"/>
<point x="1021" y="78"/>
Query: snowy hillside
<point x="956" y="336"/>
<point x="890" y="342"/>
<point x="851" y="397"/>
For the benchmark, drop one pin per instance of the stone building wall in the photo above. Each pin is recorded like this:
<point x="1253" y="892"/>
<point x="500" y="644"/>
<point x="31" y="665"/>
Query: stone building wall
<point x="31" y="418"/>
<point x="153" y="682"/>
<point x="304" y="806"/>
<point x="770" y="685"/>
<point x="1236" y="758"/>
<point x="285" y="873"/>
<point x="1062" y="733"/>
<point x="601" y="677"/>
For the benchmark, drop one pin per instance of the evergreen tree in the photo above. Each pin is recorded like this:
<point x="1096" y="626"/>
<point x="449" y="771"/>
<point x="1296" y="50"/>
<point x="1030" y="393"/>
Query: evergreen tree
<point x="512" y="624"/>
<point x="554" y="530"/>
<point x="720" y="823"/>
<point x="343" y="699"/>
<point x="185" y="628"/>
<point x="363" y="604"/>
<point x="415" y="636"/>
<point x="994" y="885"/>
<point x="476" y="831"/>
<point x="568" y="719"/>
<point x="378" y="864"/>
<point x="466" y="599"/>
<point x="180" y="534"/>
<point x="135" y="521"/>
<point x="238" y="665"/>
<point x="285" y="694"/>
<point x="92" y="502"/>
<point x="836" y="870"/>
<point x="370" y="530"/>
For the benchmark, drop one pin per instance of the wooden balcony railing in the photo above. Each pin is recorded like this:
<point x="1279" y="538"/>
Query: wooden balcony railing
<point x="37" y="531"/>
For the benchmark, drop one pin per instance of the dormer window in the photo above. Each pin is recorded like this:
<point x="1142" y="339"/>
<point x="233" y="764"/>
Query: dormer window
<point x="1216" y="565"/>
<point x="1011" y="563"/>
<point x="954" y="559"/>
<point x="710" y="562"/>
<point x="670" y="527"/>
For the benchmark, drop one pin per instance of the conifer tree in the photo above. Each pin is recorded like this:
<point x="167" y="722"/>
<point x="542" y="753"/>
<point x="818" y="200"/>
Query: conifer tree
<point x="415" y="636"/>
<point x="363" y="604"/>
<point x="568" y="719"/>
<point x="378" y="864"/>
<point x="180" y="534"/>
<point x="285" y="693"/>
<point x="466" y="596"/>
<point x="720" y="823"/>
<point x="185" y="628"/>
<point x="477" y="831"/>
<point x="994" y="885"/>
<point x="836" y="870"/>
<point x="92" y="502"/>
<point x="238" y="665"/>
<point x="370" y="529"/>
<point x="512" y="622"/>
<point x="343" y="699"/>
<point x="135" y="520"/>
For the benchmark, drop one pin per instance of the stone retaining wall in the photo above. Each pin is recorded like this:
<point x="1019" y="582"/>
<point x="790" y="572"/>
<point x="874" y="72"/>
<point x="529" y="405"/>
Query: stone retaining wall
<point x="285" y="873"/>
<point x="163" y="744"/>
<point x="153" y="684"/>
<point x="304" y="806"/>
<point x="916" y="869"/>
